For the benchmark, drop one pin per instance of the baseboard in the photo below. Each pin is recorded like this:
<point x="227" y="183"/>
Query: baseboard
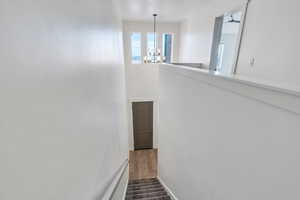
<point x="112" y="190"/>
<point x="172" y="195"/>
<point x="125" y="191"/>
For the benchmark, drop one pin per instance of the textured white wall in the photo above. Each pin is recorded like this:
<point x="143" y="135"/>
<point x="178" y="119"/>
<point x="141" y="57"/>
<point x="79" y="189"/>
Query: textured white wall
<point x="62" y="120"/>
<point x="142" y="79"/>
<point x="271" y="37"/>
<point x="216" y="143"/>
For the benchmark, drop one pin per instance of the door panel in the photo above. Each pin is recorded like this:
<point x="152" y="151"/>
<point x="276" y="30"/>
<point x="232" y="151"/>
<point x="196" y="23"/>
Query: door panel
<point x="142" y="125"/>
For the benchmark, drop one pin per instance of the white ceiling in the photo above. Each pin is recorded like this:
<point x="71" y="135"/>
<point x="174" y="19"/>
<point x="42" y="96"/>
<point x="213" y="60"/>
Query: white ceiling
<point x="168" y="10"/>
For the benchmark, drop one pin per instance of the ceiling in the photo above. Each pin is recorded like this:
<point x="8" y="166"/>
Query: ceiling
<point x="168" y="10"/>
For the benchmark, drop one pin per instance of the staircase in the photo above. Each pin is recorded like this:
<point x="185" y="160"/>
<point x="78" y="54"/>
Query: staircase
<point x="146" y="189"/>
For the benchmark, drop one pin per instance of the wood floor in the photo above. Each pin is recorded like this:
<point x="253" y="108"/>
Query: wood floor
<point x="143" y="164"/>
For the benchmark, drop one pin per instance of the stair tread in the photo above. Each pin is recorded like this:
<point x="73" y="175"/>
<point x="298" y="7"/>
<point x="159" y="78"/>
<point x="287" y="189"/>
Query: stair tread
<point x="140" y="189"/>
<point x="146" y="189"/>
<point x="148" y="194"/>
<point x="164" y="197"/>
<point x="129" y="192"/>
<point x="143" y="180"/>
<point x="144" y="183"/>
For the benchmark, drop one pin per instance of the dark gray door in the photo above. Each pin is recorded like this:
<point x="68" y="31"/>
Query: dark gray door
<point x="142" y="125"/>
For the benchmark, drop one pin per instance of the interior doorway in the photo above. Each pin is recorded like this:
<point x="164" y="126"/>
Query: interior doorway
<point x="142" y="113"/>
<point x="226" y="41"/>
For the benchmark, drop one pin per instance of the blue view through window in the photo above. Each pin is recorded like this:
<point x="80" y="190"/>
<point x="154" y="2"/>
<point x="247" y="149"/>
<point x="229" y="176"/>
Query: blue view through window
<point x="136" y="55"/>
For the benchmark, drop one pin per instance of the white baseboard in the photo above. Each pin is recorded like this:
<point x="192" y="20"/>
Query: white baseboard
<point x="172" y="195"/>
<point x="125" y="191"/>
<point x="111" y="188"/>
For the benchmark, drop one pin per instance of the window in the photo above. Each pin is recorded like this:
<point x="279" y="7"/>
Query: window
<point x="167" y="47"/>
<point x="150" y="42"/>
<point x="220" y="56"/>
<point x="136" y="47"/>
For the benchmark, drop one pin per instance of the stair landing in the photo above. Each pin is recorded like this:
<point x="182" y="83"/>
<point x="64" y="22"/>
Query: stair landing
<point x="143" y="164"/>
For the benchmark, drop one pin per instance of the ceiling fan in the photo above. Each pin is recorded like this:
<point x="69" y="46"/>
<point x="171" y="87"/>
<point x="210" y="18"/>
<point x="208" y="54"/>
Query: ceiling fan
<point x="232" y="20"/>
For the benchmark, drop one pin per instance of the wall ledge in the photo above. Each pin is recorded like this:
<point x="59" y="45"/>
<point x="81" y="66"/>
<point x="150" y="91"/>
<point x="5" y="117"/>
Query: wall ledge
<point x="269" y="93"/>
<point x="111" y="187"/>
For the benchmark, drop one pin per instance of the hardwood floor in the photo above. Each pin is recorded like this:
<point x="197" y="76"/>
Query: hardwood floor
<point x="143" y="164"/>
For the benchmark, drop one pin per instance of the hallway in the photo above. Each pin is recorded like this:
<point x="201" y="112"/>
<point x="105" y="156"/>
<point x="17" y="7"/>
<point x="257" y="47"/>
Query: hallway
<point x="210" y="88"/>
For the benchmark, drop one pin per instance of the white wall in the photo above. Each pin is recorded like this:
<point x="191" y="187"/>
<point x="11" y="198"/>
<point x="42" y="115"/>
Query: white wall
<point x="196" y="40"/>
<point x="62" y="120"/>
<point x="218" y="143"/>
<point x="197" y="30"/>
<point x="142" y="79"/>
<point x="271" y="37"/>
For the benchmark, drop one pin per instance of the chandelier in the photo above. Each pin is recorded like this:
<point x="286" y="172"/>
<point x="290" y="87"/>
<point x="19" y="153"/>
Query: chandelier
<point x="154" y="54"/>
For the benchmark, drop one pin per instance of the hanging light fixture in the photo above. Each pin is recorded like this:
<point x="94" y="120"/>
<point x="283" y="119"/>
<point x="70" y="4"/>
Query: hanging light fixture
<point x="154" y="55"/>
